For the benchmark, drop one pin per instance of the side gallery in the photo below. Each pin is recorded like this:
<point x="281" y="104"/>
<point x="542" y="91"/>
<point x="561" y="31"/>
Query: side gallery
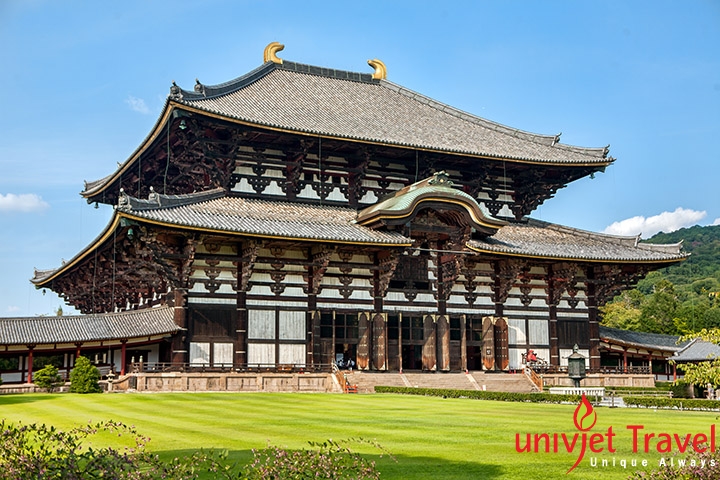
<point x="599" y="442"/>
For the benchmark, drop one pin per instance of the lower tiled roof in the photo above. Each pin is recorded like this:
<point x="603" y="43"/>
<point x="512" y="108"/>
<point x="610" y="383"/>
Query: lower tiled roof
<point x="266" y="218"/>
<point x="698" y="351"/>
<point x="86" y="328"/>
<point x="652" y="341"/>
<point x="547" y="240"/>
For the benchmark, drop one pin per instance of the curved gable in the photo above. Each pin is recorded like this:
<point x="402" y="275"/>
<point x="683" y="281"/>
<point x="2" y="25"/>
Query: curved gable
<point x="434" y="193"/>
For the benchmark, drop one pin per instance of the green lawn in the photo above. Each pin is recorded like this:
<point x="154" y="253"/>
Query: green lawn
<point x="431" y="438"/>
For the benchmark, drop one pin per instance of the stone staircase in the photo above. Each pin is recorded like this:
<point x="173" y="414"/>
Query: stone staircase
<point x="495" y="382"/>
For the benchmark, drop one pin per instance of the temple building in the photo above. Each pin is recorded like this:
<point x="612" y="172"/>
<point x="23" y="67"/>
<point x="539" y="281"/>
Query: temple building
<point x="299" y="216"/>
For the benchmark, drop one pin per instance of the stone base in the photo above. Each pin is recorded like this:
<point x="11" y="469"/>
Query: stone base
<point x="226" y="382"/>
<point x="600" y="380"/>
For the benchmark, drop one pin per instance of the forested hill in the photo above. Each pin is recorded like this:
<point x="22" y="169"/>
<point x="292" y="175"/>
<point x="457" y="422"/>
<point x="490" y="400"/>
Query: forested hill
<point x="704" y="245"/>
<point x="679" y="299"/>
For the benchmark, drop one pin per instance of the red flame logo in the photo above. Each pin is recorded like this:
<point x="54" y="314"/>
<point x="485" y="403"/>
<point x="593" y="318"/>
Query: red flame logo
<point x="583" y="414"/>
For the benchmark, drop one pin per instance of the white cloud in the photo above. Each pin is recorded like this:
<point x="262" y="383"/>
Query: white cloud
<point x="13" y="308"/>
<point x="26" y="202"/>
<point x="665" y="222"/>
<point x="137" y="105"/>
<point x="717" y="221"/>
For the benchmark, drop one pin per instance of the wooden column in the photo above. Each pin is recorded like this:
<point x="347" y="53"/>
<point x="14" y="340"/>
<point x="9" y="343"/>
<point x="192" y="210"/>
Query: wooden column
<point x="463" y="343"/>
<point x="443" y="343"/>
<point x="429" y="351"/>
<point x="379" y="341"/>
<point x="625" y="365"/>
<point x="30" y="363"/>
<point x="247" y="253"/>
<point x="594" y="324"/>
<point x="552" y="318"/>
<point x="123" y="357"/>
<point x="498" y="296"/>
<point x="312" y="307"/>
<point x="400" y="347"/>
<point x="363" y="348"/>
<point x="180" y="340"/>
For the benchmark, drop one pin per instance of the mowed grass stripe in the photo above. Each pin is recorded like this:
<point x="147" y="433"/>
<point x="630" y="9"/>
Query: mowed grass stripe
<point x="431" y="437"/>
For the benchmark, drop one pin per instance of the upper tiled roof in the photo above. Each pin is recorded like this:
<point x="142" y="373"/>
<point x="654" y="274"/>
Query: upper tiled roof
<point x="698" y="351"/>
<point x="213" y="211"/>
<point x="85" y="328"/>
<point x="546" y="240"/>
<point x="653" y="341"/>
<point x="319" y="101"/>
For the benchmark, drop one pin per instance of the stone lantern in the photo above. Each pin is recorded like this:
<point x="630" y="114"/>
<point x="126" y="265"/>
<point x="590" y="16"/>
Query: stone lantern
<point x="576" y="366"/>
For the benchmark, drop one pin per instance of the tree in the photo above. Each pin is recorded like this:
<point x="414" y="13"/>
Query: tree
<point x="47" y="378"/>
<point x="624" y="311"/>
<point x="702" y="373"/>
<point x="658" y="310"/>
<point x="84" y="377"/>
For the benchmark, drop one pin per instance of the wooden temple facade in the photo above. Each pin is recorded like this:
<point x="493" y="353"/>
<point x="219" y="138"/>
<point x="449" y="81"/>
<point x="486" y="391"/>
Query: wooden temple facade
<point x="299" y="215"/>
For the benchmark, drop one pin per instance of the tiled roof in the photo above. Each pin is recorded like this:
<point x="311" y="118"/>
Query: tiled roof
<point x="85" y="328"/>
<point x="654" y="341"/>
<point x="698" y="351"/>
<point x="266" y="218"/>
<point x="547" y="240"/>
<point x="320" y="101"/>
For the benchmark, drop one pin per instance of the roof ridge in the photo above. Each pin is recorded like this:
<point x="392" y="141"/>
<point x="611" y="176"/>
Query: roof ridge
<point x="202" y="91"/>
<point x="631" y="240"/>
<point x="157" y="201"/>
<point x="547" y="140"/>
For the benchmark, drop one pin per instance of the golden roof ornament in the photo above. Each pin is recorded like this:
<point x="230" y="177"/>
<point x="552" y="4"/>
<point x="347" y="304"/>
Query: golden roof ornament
<point x="270" y="53"/>
<point x="380" y="69"/>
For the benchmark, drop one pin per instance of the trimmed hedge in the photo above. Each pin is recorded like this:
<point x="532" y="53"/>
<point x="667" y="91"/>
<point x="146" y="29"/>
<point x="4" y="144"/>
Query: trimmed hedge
<point x="482" y="395"/>
<point x="677" y="403"/>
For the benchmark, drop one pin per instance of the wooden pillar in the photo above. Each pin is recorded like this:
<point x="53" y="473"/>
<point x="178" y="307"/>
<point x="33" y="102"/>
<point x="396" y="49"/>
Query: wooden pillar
<point x="123" y="357"/>
<point x="443" y="343"/>
<point x="77" y="350"/>
<point x="429" y="355"/>
<point x="463" y="342"/>
<point x="30" y="363"/>
<point x="594" y="324"/>
<point x="400" y="347"/>
<point x="180" y="340"/>
<point x="625" y="365"/>
<point x="379" y="341"/>
<point x="312" y="307"/>
<point x="552" y="319"/>
<point x="363" y="350"/>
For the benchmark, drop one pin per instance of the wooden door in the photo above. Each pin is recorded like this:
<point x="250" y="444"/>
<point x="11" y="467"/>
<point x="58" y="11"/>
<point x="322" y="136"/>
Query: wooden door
<point x="502" y="359"/>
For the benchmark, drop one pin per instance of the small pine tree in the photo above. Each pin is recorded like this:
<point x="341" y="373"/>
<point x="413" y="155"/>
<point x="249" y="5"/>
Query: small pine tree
<point x="84" y="377"/>
<point x="47" y="378"/>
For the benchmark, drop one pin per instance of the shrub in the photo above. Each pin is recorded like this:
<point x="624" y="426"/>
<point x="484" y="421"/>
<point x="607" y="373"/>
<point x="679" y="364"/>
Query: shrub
<point x="327" y="460"/>
<point x="38" y="451"/>
<point x="674" y="403"/>
<point x="47" y="378"/>
<point x="704" y="466"/>
<point x="84" y="377"/>
<point x="482" y="395"/>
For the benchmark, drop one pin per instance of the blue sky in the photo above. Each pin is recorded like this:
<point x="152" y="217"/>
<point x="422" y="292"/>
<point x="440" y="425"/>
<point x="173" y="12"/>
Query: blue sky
<point x="83" y="83"/>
